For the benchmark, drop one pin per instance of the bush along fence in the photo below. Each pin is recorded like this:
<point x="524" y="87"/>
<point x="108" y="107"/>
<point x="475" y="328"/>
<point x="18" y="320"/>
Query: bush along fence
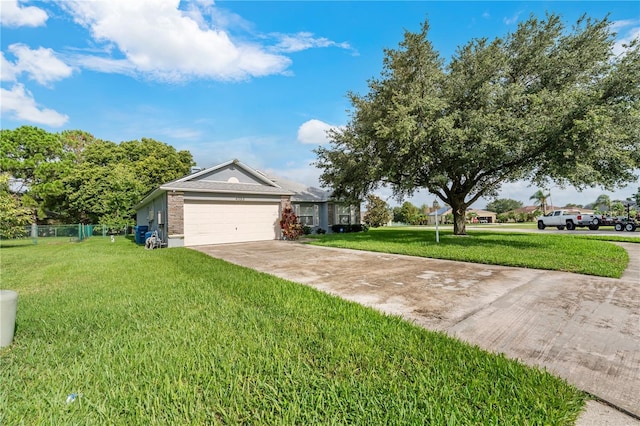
<point x="72" y="232"/>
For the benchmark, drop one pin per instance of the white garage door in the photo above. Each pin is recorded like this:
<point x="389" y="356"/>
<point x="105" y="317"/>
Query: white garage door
<point x="208" y="222"/>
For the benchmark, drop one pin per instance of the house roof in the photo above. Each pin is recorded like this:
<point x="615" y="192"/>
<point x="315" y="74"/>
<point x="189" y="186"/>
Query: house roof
<point x="235" y="162"/>
<point x="302" y="192"/>
<point x="197" y="182"/>
<point x="481" y="212"/>
<point x="441" y="211"/>
<point x="245" y="188"/>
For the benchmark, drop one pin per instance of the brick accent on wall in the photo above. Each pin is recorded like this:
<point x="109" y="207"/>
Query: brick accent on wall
<point x="175" y="215"/>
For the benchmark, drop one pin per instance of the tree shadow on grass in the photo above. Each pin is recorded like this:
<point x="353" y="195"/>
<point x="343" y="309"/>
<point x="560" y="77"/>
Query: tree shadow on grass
<point x="7" y="244"/>
<point x="447" y="238"/>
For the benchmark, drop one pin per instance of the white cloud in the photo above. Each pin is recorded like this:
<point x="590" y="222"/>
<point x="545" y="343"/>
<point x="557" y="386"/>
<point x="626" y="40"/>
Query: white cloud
<point x="20" y="104"/>
<point x="304" y="40"/>
<point x="181" y="132"/>
<point x="8" y="71"/>
<point x="40" y="65"/>
<point x="12" y="15"/>
<point x="627" y="36"/>
<point x="197" y="9"/>
<point x="622" y="23"/>
<point x="163" y="42"/>
<point x="314" y="132"/>
<point x="102" y="64"/>
<point x="512" y="19"/>
<point x="223" y="18"/>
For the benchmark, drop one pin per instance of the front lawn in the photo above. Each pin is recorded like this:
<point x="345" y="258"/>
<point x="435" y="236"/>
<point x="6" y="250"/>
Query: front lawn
<point x="571" y="253"/>
<point x="173" y="336"/>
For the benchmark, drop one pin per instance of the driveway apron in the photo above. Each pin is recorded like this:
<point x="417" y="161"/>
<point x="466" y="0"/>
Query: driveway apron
<point x="582" y="328"/>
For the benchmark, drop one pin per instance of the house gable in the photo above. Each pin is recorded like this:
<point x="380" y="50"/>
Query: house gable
<point x="232" y="177"/>
<point x="232" y="172"/>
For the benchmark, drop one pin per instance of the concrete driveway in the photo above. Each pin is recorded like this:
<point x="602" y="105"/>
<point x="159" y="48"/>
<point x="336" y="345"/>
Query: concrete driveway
<point x="582" y="328"/>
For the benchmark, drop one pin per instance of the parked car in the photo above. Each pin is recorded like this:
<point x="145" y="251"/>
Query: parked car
<point x="567" y="218"/>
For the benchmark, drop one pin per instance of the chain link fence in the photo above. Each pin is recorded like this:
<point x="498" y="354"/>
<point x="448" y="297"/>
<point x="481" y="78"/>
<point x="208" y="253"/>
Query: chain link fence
<point x="67" y="233"/>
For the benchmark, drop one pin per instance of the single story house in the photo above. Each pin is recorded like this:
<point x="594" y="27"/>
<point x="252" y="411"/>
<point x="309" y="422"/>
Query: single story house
<point x="315" y="208"/>
<point x="232" y="202"/>
<point x="440" y="214"/>
<point x="479" y="216"/>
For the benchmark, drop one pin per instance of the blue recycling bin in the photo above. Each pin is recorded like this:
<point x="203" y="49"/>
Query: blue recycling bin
<point x="140" y="232"/>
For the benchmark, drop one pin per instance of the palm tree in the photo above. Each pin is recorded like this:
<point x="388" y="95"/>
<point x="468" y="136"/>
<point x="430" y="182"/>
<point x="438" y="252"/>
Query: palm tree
<point x="541" y="199"/>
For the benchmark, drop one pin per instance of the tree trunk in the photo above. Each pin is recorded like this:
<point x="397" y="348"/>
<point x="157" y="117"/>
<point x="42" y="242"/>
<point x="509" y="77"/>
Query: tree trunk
<point x="459" y="210"/>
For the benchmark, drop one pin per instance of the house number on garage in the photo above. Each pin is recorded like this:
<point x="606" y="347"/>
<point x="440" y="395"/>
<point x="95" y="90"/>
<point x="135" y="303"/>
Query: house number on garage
<point x="239" y="198"/>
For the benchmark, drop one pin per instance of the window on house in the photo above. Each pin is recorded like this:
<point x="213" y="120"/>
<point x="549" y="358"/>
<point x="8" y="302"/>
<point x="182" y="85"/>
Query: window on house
<point x="343" y="214"/>
<point x="306" y="214"/>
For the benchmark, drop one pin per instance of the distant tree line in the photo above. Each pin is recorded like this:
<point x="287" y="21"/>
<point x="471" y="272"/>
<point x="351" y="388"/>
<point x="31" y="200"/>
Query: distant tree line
<point x="378" y="213"/>
<point x="506" y="208"/>
<point x="411" y="214"/>
<point x="73" y="177"/>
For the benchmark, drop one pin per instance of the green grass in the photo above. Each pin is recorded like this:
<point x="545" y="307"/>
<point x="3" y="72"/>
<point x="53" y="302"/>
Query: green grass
<point x="175" y="337"/>
<point x="617" y="238"/>
<point x="571" y="253"/>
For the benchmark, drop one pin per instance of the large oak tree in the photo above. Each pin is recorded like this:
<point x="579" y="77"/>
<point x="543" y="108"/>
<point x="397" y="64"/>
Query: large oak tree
<point x="546" y="103"/>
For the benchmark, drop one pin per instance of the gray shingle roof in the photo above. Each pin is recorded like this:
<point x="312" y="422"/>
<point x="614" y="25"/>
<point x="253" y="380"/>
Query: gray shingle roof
<point x="209" y="186"/>
<point x="301" y="192"/>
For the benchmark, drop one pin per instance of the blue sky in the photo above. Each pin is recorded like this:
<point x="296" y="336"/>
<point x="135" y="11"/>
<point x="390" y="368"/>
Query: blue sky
<point x="260" y="81"/>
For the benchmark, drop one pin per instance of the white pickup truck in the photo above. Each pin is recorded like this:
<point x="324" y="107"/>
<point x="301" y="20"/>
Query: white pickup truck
<point x="569" y="219"/>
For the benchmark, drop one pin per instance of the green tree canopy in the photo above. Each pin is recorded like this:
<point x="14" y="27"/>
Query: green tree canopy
<point x="79" y="178"/>
<point x="602" y="203"/>
<point x="406" y="213"/>
<point x="156" y="162"/>
<point x="111" y="178"/>
<point x="378" y="213"/>
<point x="13" y="216"/>
<point x="545" y="103"/>
<point x="37" y="158"/>
<point x="618" y="208"/>
<point x="502" y="205"/>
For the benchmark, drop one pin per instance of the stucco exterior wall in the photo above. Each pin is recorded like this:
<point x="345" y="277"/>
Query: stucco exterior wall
<point x="154" y="215"/>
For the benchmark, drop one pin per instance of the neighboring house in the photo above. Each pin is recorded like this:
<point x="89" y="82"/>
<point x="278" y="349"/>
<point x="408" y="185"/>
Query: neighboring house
<point x="531" y="209"/>
<point x="232" y="202"/>
<point x="481" y="216"/>
<point x="440" y="213"/>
